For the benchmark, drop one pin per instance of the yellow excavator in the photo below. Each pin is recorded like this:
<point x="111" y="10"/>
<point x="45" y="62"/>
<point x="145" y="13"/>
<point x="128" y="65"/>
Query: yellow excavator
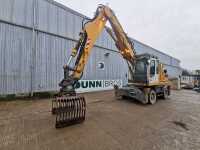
<point x="148" y="80"/>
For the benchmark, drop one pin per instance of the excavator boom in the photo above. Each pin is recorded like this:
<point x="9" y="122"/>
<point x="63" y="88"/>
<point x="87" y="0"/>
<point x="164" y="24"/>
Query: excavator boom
<point x="64" y="105"/>
<point x="148" y="78"/>
<point x="91" y="31"/>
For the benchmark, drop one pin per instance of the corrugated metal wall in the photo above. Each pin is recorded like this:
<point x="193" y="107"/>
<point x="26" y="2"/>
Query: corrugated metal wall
<point x="15" y="59"/>
<point x="36" y="37"/>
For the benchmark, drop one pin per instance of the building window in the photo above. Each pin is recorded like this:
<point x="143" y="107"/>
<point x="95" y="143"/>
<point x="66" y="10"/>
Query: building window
<point x="101" y="65"/>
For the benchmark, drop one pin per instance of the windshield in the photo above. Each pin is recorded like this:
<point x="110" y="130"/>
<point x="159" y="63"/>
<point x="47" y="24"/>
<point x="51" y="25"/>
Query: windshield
<point x="140" y="67"/>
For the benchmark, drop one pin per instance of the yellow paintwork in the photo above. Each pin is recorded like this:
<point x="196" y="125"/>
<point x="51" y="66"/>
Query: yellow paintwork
<point x="162" y="79"/>
<point x="94" y="28"/>
<point x="162" y="76"/>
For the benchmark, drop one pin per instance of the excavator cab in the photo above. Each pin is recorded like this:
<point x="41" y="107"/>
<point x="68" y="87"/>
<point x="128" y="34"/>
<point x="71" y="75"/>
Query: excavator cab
<point x="146" y="69"/>
<point x="149" y="79"/>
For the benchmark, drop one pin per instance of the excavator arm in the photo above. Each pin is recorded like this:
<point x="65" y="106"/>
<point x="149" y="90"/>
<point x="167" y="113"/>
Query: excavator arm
<point x="91" y="30"/>
<point x="68" y="107"/>
<point x="71" y="108"/>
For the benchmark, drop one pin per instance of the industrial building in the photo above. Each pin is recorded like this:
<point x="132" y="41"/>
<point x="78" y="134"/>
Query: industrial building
<point x="190" y="79"/>
<point x="36" y="37"/>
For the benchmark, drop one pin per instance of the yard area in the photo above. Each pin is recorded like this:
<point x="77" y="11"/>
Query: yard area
<point x="172" y="124"/>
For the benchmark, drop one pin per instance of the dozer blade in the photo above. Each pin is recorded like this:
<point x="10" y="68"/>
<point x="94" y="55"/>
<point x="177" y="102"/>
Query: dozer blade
<point x="69" y="110"/>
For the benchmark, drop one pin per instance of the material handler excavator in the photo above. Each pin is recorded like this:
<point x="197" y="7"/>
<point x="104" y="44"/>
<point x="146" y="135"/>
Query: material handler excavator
<point x="148" y="79"/>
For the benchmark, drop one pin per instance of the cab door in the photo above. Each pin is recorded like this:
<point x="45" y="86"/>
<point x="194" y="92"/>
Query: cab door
<point x="154" y="76"/>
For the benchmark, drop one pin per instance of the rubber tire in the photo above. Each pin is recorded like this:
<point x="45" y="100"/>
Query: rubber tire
<point x="152" y="97"/>
<point x="166" y="94"/>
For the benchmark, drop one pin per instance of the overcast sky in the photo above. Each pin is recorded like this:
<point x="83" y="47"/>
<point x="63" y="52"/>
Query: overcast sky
<point x="171" y="26"/>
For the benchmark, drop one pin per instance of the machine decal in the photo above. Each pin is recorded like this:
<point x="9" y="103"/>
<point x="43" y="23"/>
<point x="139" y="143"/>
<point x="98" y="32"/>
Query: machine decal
<point x="96" y="85"/>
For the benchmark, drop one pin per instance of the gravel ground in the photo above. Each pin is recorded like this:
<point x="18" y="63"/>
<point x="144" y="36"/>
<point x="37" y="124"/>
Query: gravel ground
<point x="172" y="124"/>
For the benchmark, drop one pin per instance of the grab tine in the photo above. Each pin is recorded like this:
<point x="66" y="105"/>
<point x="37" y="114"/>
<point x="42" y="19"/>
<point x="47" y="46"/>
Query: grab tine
<point x="69" y="110"/>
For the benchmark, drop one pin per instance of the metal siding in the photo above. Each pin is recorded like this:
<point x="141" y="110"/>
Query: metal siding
<point x="29" y="12"/>
<point x="15" y="61"/>
<point x="55" y="19"/>
<point x="51" y="54"/>
<point x="17" y="56"/>
<point x="175" y="62"/>
<point x="77" y="26"/>
<point x="62" y="23"/>
<point x="173" y="71"/>
<point x="52" y="19"/>
<point x="6" y="9"/>
<point x="18" y="12"/>
<point x="43" y="15"/>
<point x="140" y="48"/>
<point x="104" y="39"/>
<point x="115" y="67"/>
<point x="70" y="25"/>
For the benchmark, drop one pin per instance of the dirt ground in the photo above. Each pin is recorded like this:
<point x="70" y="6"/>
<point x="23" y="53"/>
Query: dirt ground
<point x="172" y="124"/>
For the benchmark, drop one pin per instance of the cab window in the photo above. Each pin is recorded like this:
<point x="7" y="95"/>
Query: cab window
<point x="152" y="67"/>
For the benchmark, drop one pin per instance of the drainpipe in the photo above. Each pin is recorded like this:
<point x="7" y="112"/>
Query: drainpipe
<point x="33" y="52"/>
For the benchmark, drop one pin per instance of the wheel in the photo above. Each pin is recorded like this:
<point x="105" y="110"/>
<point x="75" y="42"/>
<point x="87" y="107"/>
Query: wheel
<point x="152" y="97"/>
<point x="166" y="93"/>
